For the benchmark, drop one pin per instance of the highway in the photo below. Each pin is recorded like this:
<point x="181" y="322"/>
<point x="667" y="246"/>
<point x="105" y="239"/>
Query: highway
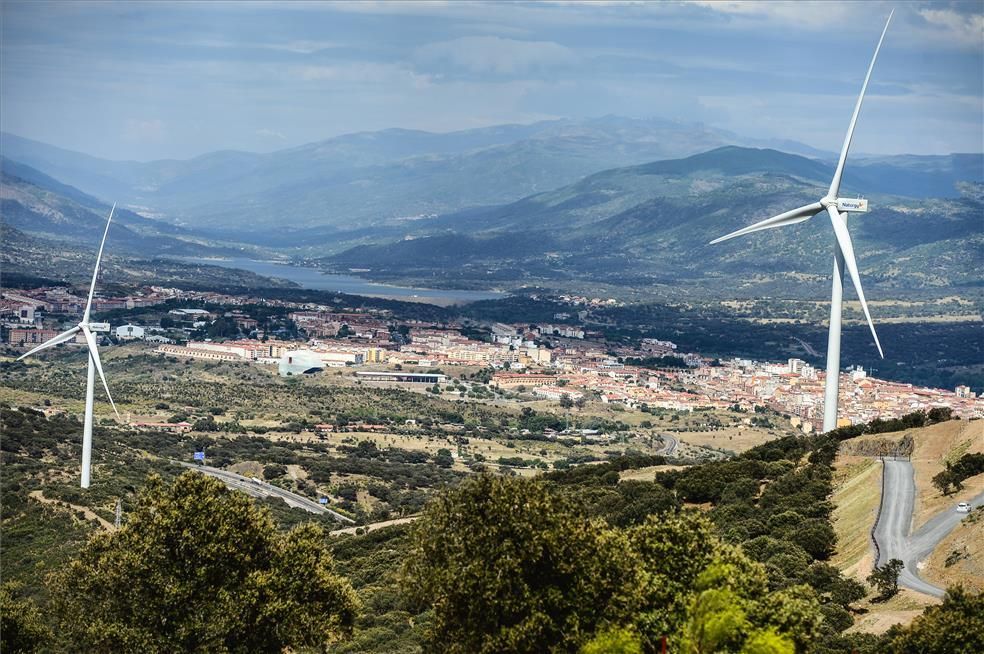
<point x="263" y="489"/>
<point x="895" y="520"/>
<point x="670" y="444"/>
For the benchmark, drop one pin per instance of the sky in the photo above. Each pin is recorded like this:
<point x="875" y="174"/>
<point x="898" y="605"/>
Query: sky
<point x="146" y="80"/>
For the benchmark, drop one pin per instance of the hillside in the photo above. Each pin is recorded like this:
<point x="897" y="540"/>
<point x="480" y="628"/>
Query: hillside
<point x="393" y="176"/>
<point x="651" y="224"/>
<point x="857" y="493"/>
<point x="38" y="205"/>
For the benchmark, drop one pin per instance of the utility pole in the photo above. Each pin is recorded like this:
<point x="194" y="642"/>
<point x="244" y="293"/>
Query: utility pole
<point x="119" y="513"/>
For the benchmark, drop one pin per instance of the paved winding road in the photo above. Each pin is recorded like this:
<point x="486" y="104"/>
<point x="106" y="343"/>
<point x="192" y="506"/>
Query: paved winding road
<point x="263" y="489"/>
<point x="895" y="521"/>
<point x="669" y="444"/>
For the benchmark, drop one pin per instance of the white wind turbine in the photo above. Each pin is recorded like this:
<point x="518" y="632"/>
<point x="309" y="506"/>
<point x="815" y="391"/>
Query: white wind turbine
<point x="87" y="328"/>
<point x="837" y="208"/>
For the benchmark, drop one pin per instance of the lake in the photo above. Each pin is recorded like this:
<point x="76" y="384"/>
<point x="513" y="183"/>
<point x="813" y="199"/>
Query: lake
<point x="314" y="279"/>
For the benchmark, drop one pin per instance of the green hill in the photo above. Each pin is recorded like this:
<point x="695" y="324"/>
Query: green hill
<point x="654" y="221"/>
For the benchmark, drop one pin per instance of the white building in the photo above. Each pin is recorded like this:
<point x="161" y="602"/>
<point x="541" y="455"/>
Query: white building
<point x="129" y="332"/>
<point x="299" y="362"/>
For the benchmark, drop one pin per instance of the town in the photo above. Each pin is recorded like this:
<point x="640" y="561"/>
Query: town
<point x="559" y="362"/>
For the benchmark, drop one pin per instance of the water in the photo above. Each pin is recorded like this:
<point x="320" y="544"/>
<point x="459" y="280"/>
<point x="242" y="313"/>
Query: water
<point x="314" y="279"/>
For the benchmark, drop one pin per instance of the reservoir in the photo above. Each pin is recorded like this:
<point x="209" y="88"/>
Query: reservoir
<point x="314" y="279"/>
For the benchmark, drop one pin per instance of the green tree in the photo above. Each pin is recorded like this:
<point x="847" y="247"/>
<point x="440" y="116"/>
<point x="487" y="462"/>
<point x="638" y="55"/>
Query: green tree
<point x="954" y="627"/>
<point x="886" y="578"/>
<point x="273" y="471"/>
<point x="444" y="458"/>
<point x="613" y="641"/>
<point x="200" y="568"/>
<point x="947" y="482"/>
<point x="22" y="629"/>
<point x="508" y="566"/>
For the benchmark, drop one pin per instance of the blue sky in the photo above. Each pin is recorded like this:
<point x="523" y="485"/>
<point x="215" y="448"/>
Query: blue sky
<point x="157" y="80"/>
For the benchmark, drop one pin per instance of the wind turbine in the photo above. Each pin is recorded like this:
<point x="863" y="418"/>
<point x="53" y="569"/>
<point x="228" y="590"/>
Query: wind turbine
<point x="87" y="328"/>
<point x="837" y="209"/>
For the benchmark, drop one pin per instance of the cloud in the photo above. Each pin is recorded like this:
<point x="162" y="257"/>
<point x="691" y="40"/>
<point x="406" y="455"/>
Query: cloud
<point x="144" y="131"/>
<point x="305" y="47"/>
<point x="269" y="133"/>
<point x="802" y="14"/>
<point x="363" y="74"/>
<point x="495" y="54"/>
<point x="967" y="29"/>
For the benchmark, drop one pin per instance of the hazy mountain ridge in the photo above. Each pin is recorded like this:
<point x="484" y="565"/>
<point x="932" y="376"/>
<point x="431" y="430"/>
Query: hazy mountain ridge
<point x="655" y="220"/>
<point x="630" y="226"/>
<point x="33" y="204"/>
<point x="390" y="176"/>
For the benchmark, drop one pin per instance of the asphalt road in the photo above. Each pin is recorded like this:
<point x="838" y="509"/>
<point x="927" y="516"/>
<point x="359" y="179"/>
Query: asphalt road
<point x="895" y="521"/>
<point x="670" y="444"/>
<point x="263" y="489"/>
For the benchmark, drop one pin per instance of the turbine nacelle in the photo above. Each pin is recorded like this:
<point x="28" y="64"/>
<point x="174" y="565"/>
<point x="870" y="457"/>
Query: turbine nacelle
<point x="845" y="205"/>
<point x="853" y="205"/>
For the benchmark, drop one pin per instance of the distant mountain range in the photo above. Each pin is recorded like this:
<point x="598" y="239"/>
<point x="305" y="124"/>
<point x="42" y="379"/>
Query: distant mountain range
<point x="651" y="224"/>
<point x="396" y="176"/>
<point x="548" y="202"/>
<point x="35" y="204"/>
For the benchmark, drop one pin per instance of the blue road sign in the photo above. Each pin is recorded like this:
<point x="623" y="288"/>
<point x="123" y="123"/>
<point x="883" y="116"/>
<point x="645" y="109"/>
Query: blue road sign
<point x="323" y="500"/>
<point x="199" y="456"/>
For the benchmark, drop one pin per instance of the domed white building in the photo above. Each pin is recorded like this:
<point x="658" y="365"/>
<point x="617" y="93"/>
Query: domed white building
<point x="300" y="362"/>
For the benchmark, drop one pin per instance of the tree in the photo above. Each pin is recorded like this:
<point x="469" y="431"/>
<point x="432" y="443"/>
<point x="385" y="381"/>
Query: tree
<point x="444" y="458"/>
<point x="613" y="641"/>
<point x="947" y="481"/>
<point x="22" y="629"/>
<point x="508" y="566"/>
<point x="954" y="627"/>
<point x="886" y="578"/>
<point x="198" y="567"/>
<point x="273" y="471"/>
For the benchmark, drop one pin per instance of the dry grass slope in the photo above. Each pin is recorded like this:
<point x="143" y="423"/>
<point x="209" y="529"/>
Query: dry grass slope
<point x="857" y="494"/>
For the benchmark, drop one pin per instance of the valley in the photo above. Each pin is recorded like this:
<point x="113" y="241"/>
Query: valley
<point x="491" y="328"/>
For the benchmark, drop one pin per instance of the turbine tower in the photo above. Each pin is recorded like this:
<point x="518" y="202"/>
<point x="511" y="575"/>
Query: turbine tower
<point x="87" y="328"/>
<point x="837" y="209"/>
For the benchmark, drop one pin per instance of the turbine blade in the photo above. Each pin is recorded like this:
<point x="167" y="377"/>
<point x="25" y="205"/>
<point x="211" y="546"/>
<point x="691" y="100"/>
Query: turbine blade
<point x="94" y="354"/>
<point x="95" y="271"/>
<point x="789" y="218"/>
<point x="61" y="338"/>
<point x="839" y="172"/>
<point x="847" y="248"/>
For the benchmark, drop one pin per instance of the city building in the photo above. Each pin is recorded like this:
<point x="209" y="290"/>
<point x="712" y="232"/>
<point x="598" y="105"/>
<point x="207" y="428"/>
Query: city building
<point x="129" y="332"/>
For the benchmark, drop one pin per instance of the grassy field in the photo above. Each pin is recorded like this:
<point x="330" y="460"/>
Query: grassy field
<point x="857" y="493"/>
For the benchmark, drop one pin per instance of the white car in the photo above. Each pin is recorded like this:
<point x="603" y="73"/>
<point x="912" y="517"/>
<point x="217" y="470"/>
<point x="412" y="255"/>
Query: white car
<point x="963" y="507"/>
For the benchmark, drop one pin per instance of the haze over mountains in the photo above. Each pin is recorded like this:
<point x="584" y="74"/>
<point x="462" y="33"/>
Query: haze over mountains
<point x="615" y="200"/>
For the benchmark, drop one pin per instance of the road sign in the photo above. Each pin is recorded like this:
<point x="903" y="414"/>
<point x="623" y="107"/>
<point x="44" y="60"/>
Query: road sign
<point x="322" y="500"/>
<point x="99" y="326"/>
<point x="199" y="456"/>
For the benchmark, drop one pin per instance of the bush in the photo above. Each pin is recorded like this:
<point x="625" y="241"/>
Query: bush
<point x="200" y="568"/>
